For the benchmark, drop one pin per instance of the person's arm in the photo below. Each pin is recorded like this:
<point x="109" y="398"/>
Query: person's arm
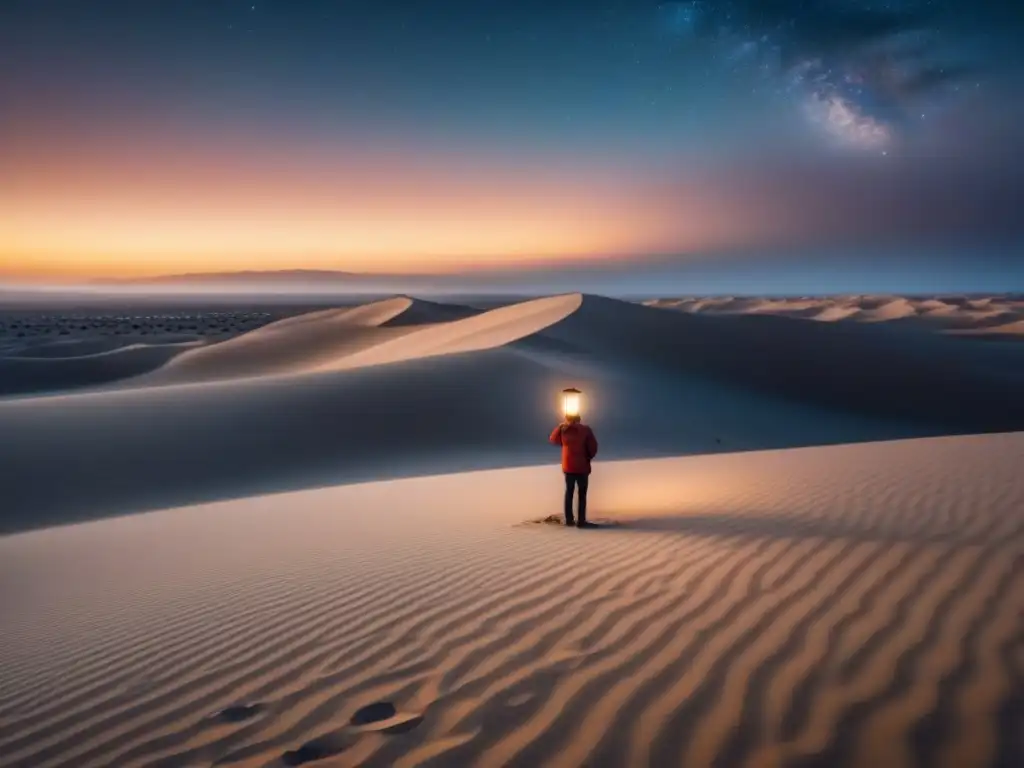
<point x="556" y="436"/>
<point x="591" y="445"/>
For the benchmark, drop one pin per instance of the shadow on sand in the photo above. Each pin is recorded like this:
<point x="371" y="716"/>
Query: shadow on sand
<point x="558" y="521"/>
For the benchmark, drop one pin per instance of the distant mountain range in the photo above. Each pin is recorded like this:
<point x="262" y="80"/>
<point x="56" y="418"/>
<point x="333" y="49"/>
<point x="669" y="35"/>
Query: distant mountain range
<point x="329" y="282"/>
<point x="301" y="279"/>
<point x="250" y="276"/>
<point x="624" y="279"/>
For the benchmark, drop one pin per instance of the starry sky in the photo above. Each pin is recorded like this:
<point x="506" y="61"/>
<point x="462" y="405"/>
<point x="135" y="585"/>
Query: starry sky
<point x="728" y="145"/>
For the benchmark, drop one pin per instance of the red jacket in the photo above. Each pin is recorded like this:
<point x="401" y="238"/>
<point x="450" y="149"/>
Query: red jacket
<point x="579" y="446"/>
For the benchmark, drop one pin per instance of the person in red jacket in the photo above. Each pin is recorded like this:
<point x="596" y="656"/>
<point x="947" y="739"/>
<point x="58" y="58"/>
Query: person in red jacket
<point x="579" y="447"/>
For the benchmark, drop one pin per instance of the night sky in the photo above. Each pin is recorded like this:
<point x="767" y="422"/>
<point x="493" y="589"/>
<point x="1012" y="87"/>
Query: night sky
<point x="741" y="145"/>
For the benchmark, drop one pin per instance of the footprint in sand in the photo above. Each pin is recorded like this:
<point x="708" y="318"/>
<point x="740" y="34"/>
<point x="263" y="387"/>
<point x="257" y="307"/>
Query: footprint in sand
<point x="239" y="713"/>
<point x="373" y="713"/>
<point x="319" y="748"/>
<point x="383" y="717"/>
<point x="379" y="717"/>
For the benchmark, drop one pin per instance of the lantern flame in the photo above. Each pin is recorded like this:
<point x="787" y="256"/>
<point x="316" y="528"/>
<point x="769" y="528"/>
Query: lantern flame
<point x="571" y="402"/>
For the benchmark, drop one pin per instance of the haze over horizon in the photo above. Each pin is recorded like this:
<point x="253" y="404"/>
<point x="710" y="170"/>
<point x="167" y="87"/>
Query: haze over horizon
<point x="702" y="146"/>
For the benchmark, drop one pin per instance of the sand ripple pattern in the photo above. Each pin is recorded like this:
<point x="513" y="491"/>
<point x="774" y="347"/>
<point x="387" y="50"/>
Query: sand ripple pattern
<point x="847" y="606"/>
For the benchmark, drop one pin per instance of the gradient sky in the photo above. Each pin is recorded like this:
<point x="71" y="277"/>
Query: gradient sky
<point x="767" y="137"/>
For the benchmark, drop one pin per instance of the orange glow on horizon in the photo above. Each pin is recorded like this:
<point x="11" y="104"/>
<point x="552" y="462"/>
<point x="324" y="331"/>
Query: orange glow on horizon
<point x="116" y="241"/>
<point x="134" y="212"/>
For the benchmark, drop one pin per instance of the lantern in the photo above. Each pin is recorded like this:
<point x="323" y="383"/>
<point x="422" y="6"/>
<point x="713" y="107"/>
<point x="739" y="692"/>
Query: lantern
<point x="571" y="402"/>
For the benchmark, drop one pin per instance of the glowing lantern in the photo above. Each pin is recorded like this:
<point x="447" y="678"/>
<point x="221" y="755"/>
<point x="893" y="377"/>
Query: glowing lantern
<point x="571" y="402"/>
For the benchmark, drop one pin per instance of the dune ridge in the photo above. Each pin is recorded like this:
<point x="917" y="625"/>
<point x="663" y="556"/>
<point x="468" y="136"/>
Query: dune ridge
<point x="290" y="345"/>
<point x="494" y="328"/>
<point x="392" y="330"/>
<point x="849" y="605"/>
<point x="402" y="328"/>
<point x="943" y="314"/>
<point x="366" y="399"/>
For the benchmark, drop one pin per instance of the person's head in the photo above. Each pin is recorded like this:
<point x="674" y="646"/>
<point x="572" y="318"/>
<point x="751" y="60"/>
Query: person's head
<point x="573" y="419"/>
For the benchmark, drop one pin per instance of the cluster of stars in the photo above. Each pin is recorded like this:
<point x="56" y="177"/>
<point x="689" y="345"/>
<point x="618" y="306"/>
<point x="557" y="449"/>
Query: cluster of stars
<point x="860" y="71"/>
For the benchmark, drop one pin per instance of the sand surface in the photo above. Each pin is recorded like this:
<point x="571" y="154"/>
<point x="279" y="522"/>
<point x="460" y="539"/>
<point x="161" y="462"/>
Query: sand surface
<point x="812" y="563"/>
<point x="852" y="605"/>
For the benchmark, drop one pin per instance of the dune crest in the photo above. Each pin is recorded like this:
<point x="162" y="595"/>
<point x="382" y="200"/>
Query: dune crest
<point x="366" y="315"/>
<point x="291" y="345"/>
<point x="388" y="331"/>
<point x="487" y="330"/>
<point x="939" y="313"/>
<point x="249" y="345"/>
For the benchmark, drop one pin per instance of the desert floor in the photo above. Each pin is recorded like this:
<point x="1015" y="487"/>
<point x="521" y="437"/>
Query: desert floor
<point x="311" y="535"/>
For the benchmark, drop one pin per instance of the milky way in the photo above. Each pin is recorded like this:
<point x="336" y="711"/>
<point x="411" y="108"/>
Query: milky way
<point x="865" y="72"/>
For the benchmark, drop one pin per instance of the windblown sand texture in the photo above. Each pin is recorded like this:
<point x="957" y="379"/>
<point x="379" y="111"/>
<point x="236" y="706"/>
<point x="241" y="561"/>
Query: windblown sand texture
<point x="853" y="605"/>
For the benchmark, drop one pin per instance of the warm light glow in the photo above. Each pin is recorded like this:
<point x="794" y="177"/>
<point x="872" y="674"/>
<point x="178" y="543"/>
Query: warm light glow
<point x="108" y="211"/>
<point x="571" y="402"/>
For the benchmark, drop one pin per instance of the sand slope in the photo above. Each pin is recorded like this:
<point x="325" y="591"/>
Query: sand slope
<point x="113" y="344"/>
<point x="855" y="605"/>
<point x="249" y="344"/>
<point x="1014" y="328"/>
<point x="486" y="330"/>
<point x="21" y="374"/>
<point x="291" y="345"/>
<point x="481" y="392"/>
<point x="863" y="368"/>
<point x="383" y="332"/>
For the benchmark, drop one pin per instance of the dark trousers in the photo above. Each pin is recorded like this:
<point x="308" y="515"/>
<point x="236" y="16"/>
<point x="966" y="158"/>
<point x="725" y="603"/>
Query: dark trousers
<point x="573" y="481"/>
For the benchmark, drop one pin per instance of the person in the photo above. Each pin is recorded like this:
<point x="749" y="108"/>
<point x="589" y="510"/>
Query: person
<point x="579" y="447"/>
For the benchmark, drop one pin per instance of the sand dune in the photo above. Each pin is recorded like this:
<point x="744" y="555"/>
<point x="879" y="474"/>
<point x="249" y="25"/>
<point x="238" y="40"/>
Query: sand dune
<point x="891" y="310"/>
<point x="87" y="347"/>
<point x="236" y="345"/>
<point x="480" y="392"/>
<point x="20" y="374"/>
<point x="1015" y="328"/>
<point x="852" y="367"/>
<point x="854" y="605"/>
<point x="373" y="334"/>
<point x="331" y="339"/>
<point x="926" y="313"/>
<point x="422" y="312"/>
<point x="839" y="312"/>
<point x="100" y="346"/>
<point x="291" y="345"/>
<point x="486" y="330"/>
